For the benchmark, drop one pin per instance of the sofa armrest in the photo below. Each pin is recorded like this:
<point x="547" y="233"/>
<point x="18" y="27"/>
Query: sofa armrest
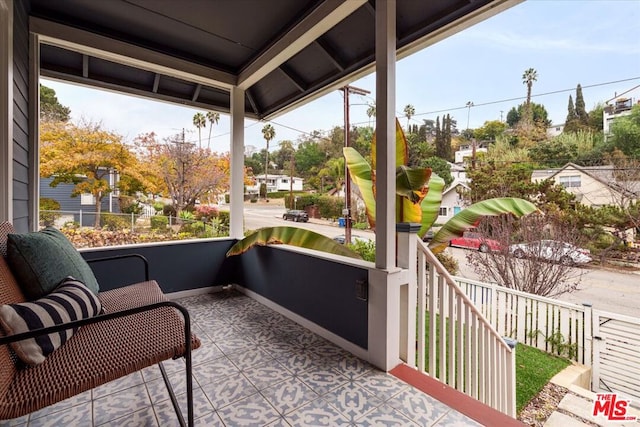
<point x="103" y="318"/>
<point x="116" y="257"/>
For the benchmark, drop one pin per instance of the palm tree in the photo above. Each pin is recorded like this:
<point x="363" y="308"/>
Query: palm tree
<point x="268" y="132"/>
<point x="199" y="121"/>
<point x="371" y="112"/>
<point x="409" y="111"/>
<point x="213" y="119"/>
<point x="528" y="77"/>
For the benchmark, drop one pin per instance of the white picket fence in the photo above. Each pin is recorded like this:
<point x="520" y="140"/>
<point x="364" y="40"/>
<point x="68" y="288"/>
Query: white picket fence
<point x="547" y="324"/>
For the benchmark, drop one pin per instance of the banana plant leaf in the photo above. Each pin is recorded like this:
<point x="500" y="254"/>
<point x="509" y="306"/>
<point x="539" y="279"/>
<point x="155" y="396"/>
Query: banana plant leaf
<point x="411" y="188"/>
<point x="470" y="216"/>
<point x="291" y="236"/>
<point x="431" y="204"/>
<point x="361" y="175"/>
<point x="402" y="148"/>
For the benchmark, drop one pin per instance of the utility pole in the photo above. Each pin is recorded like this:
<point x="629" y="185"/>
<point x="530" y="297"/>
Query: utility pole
<point x="473" y="140"/>
<point x="292" y="161"/>
<point x="346" y="90"/>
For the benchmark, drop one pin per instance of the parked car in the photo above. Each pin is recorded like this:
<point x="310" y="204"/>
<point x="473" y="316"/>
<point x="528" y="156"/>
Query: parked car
<point x="552" y="250"/>
<point x="296" y="215"/>
<point x="341" y="238"/>
<point x="428" y="236"/>
<point x="475" y="240"/>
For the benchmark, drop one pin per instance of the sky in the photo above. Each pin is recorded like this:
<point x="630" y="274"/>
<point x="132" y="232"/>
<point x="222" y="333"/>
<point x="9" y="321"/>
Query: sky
<point x="595" y="43"/>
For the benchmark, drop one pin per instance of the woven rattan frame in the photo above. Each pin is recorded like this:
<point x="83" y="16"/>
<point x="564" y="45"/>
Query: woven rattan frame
<point x="97" y="353"/>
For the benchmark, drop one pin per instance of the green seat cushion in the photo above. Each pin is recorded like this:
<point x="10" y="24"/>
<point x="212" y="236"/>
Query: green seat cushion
<point x="42" y="259"/>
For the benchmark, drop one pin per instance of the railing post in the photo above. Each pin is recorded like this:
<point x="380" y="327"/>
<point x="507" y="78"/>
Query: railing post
<point x="587" y="326"/>
<point x="80" y="217"/>
<point x="511" y="378"/>
<point x="407" y="259"/>
<point x="384" y="317"/>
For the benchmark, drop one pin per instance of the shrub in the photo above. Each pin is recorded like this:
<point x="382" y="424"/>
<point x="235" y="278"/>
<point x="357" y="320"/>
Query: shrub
<point x="448" y="262"/>
<point x="159" y="222"/>
<point x="113" y="222"/>
<point x="169" y="210"/>
<point x="158" y="206"/>
<point x="195" y="228"/>
<point x="130" y="205"/>
<point x="366" y="249"/>
<point x="47" y="204"/>
<point x="205" y="213"/>
<point x="330" y="207"/>
<point x="306" y="200"/>
<point x="361" y="225"/>
<point x="224" y="218"/>
<point x="186" y="215"/>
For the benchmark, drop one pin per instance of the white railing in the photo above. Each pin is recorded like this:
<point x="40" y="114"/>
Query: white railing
<point x="456" y="343"/>
<point x="550" y="325"/>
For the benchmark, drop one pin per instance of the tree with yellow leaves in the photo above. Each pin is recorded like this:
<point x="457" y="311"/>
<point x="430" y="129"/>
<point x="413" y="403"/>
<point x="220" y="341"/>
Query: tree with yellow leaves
<point x="186" y="172"/>
<point x="84" y="155"/>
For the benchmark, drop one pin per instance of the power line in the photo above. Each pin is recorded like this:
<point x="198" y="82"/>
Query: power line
<point x="312" y="135"/>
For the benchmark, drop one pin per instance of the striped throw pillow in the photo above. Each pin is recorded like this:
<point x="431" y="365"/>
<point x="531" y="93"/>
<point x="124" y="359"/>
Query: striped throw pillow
<point x="71" y="300"/>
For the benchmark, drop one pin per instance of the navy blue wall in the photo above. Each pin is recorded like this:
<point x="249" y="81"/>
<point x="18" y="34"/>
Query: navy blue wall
<point x="21" y="184"/>
<point x="176" y="267"/>
<point x="317" y="289"/>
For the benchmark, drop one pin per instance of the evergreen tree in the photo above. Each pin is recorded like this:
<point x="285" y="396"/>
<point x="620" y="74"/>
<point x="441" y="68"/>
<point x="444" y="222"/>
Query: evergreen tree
<point x="438" y="133"/>
<point x="50" y="107"/>
<point x="447" y="139"/>
<point x="581" y="111"/>
<point x="443" y="137"/>
<point x="571" y="122"/>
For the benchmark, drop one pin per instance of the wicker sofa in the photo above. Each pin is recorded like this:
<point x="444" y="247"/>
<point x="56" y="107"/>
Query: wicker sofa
<point x="140" y="328"/>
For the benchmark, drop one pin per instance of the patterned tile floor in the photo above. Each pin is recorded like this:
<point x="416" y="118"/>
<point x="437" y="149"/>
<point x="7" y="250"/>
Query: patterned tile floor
<point x="255" y="368"/>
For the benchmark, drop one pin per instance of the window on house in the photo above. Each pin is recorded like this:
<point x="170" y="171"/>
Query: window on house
<point x="285" y="181"/>
<point x="87" y="199"/>
<point x="442" y="211"/>
<point x="570" y="181"/>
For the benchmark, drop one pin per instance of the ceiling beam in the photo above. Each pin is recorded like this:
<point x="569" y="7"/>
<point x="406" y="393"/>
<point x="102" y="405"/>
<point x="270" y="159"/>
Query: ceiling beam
<point x="317" y="22"/>
<point x="293" y="77"/>
<point x="85" y="66"/>
<point x="252" y="102"/>
<point x="330" y="54"/>
<point x="196" y="93"/>
<point x="141" y="93"/>
<point x="92" y="44"/>
<point x="156" y="83"/>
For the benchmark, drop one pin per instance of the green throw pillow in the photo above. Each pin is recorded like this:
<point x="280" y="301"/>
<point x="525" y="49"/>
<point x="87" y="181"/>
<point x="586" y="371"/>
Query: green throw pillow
<point x="42" y="259"/>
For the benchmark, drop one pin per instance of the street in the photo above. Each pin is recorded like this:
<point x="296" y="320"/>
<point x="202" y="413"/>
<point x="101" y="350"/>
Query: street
<point x="608" y="290"/>
<point x="270" y="215"/>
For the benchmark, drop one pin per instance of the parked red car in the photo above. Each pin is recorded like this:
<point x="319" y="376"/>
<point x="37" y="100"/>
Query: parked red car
<point x="474" y="240"/>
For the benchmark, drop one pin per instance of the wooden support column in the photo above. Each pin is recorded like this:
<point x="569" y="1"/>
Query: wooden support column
<point x="385" y="131"/>
<point x="236" y="229"/>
